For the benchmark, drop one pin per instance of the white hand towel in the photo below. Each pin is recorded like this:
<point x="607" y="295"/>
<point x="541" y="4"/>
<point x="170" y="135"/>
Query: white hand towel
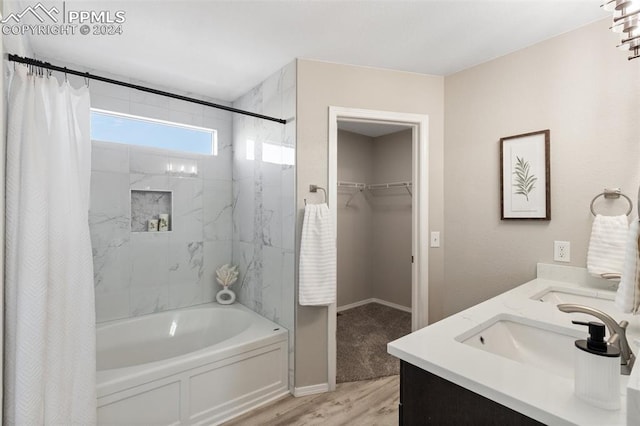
<point x="317" y="257"/>
<point x="628" y="295"/>
<point x="607" y="245"/>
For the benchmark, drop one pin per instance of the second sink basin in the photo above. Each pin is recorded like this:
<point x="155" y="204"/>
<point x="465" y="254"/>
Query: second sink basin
<point x="603" y="300"/>
<point x="530" y="342"/>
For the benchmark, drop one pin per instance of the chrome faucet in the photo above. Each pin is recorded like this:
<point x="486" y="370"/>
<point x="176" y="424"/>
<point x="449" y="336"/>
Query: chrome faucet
<point x="627" y="357"/>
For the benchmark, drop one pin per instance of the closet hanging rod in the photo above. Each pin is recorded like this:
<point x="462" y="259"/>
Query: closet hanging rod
<point x="389" y="185"/>
<point x="49" y="66"/>
<point x="356" y="185"/>
<point x="359" y="185"/>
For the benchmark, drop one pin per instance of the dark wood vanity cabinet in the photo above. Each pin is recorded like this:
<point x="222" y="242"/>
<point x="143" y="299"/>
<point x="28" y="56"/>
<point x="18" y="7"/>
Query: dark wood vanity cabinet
<point x="427" y="399"/>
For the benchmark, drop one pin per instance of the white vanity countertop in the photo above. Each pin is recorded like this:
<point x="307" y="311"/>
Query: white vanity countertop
<point x="534" y="392"/>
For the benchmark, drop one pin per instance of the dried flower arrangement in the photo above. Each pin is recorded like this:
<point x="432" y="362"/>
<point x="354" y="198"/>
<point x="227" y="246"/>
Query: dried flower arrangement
<point x="227" y="274"/>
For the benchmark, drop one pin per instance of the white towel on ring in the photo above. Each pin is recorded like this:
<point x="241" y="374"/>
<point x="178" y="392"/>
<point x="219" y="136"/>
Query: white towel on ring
<point x="628" y="295"/>
<point x="317" y="257"/>
<point x="607" y="245"/>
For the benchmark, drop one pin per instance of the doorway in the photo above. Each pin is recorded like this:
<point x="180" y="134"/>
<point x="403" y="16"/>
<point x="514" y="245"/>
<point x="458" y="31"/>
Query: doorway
<point x="373" y="242"/>
<point x="414" y="127"/>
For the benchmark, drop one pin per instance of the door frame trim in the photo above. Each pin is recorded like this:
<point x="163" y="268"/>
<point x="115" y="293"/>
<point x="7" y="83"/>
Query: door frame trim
<point x="419" y="215"/>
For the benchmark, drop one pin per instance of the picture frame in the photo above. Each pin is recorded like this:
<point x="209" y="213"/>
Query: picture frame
<point x="525" y="176"/>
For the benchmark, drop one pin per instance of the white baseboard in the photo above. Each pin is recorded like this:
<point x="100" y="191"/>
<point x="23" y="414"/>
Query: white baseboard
<point x="392" y="305"/>
<point x="354" y="305"/>
<point x="310" y="390"/>
<point x="374" y="300"/>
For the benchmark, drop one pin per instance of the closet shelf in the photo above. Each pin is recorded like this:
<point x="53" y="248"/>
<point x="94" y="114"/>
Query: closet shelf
<point x="361" y="186"/>
<point x="405" y="185"/>
<point x="373" y="186"/>
<point x="354" y="185"/>
<point x="389" y="185"/>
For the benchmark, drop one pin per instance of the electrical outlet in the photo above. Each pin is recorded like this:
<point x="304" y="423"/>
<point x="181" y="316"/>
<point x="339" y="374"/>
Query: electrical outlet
<point x="562" y="251"/>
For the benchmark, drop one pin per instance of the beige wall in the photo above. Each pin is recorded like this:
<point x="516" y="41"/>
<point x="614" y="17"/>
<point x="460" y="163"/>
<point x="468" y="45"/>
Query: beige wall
<point x="587" y="93"/>
<point x="321" y="85"/>
<point x="391" y="247"/>
<point x="374" y="230"/>
<point x="355" y="221"/>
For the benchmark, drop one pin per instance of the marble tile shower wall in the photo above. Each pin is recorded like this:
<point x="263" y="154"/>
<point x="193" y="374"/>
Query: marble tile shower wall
<point x="264" y="202"/>
<point x="263" y="192"/>
<point x="137" y="273"/>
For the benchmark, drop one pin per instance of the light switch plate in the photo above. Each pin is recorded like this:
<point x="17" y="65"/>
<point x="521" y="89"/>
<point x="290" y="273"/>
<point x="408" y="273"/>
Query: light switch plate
<point x="435" y="239"/>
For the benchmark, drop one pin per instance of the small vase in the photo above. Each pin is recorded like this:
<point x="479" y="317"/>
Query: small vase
<point x="225" y="296"/>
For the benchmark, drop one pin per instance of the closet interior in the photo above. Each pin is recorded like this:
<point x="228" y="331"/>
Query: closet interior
<point x="374" y="206"/>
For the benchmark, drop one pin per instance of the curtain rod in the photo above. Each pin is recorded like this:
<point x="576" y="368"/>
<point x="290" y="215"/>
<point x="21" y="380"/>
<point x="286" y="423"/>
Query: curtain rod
<point x="47" y="65"/>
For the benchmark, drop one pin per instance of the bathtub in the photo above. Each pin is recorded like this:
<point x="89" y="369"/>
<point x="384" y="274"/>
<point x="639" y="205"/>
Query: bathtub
<point x="199" y="365"/>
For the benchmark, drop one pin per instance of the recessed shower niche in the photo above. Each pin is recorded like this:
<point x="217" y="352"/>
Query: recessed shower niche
<point x="151" y="210"/>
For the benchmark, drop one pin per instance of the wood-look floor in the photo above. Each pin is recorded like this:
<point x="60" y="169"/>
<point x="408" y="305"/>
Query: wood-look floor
<point x="369" y="402"/>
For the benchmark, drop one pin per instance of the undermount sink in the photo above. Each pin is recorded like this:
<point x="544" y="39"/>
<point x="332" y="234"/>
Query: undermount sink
<point x="603" y="300"/>
<point x="536" y="344"/>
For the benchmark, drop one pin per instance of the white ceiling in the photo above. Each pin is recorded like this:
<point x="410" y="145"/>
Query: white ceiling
<point x="224" y="48"/>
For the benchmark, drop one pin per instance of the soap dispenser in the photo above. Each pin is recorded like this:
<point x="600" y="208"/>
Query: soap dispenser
<point x="597" y="369"/>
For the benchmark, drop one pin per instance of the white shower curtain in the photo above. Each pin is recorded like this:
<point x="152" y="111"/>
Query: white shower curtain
<point x="49" y="306"/>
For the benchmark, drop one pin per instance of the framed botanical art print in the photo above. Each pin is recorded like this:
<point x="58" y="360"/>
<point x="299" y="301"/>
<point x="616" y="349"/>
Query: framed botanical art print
<point x="525" y="176"/>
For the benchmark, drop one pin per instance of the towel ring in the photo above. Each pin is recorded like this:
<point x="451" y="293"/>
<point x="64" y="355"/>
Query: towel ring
<point x="314" y="188"/>
<point x="612" y="194"/>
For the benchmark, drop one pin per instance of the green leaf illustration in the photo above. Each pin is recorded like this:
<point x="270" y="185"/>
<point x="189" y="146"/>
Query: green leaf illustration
<point x="524" y="182"/>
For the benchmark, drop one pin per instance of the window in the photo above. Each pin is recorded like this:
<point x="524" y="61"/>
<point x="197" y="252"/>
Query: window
<point x="272" y="153"/>
<point x="115" y="127"/>
<point x="277" y="154"/>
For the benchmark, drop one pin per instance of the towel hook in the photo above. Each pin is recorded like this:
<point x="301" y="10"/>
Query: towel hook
<point x="612" y="194"/>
